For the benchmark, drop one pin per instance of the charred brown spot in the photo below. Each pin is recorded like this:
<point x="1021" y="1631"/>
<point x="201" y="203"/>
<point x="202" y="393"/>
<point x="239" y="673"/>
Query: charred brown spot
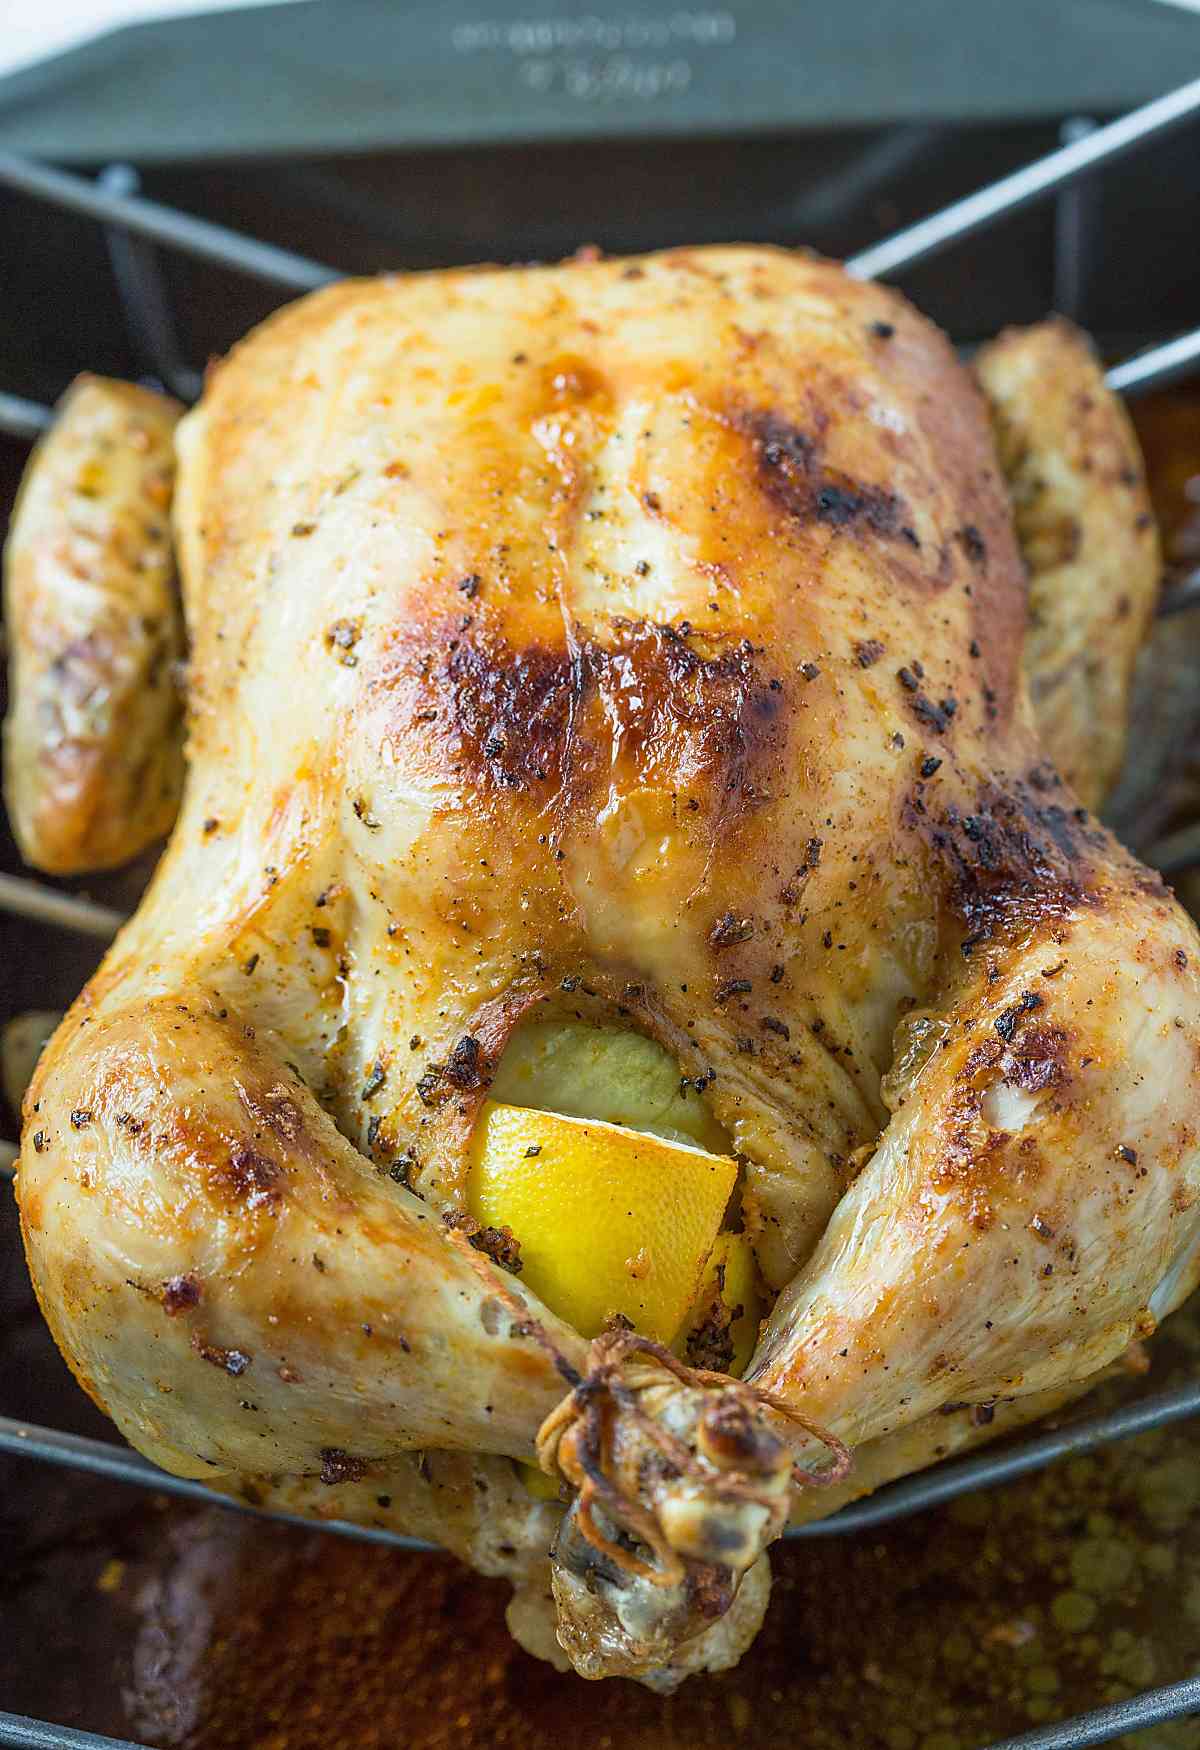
<point x="733" y="1436"/>
<point x="1006" y="1023"/>
<point x="254" y="1179"/>
<point x="275" y="1110"/>
<point x="796" y="477"/>
<point x="338" y="1466"/>
<point x="180" y="1293"/>
<point x="1015" y="860"/>
<point x="1039" y="1059"/>
<point x="548" y="721"/>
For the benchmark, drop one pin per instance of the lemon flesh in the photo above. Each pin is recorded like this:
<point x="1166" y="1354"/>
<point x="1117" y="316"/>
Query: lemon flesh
<point x="732" y="1276"/>
<point x="607" y="1073"/>
<point x="610" y="1220"/>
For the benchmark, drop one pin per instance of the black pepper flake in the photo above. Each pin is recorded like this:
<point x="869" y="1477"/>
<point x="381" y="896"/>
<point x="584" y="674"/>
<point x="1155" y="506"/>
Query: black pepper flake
<point x="300" y="530"/>
<point x="374" y="1126"/>
<point x="929" y="766"/>
<point x="907" y="679"/>
<point x="732" y="987"/>
<point x="469" y="585"/>
<point x="810" y="671"/>
<point x="211" y="825"/>
<point x="771" y="1024"/>
<point x="776" y="974"/>
<point x="867" y="652"/>
<point x="39" y="1142"/>
<point x="321" y="936"/>
<point x="1006" y="1024"/>
<point x="883" y="330"/>
<point x="81" y="1117"/>
<point x="1128" y="1155"/>
<point x="364" y="814"/>
<point x="827" y="939"/>
<point x="642" y="567"/>
<point x="376" y="1076"/>
<point x="250" y="964"/>
<point x="729" y="930"/>
<point x="972" y="544"/>
<point x="982" y="1415"/>
<point x="535" y="1148"/>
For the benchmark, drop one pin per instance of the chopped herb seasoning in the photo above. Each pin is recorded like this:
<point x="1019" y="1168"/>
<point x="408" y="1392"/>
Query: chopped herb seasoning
<point x="732" y="987"/>
<point x="729" y="929"/>
<point x="499" y="1244"/>
<point x="376" y="1076"/>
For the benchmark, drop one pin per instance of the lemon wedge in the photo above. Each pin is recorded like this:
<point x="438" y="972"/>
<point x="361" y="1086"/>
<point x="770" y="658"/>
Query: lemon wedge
<point x="585" y="1071"/>
<point x="609" y="1220"/>
<point x="731" y="1275"/>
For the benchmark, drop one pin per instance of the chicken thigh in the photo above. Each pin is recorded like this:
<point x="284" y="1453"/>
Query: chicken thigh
<point x="634" y="646"/>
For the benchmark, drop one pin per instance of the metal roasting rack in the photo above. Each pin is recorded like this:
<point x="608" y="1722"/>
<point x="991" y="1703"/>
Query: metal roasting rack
<point x="134" y="227"/>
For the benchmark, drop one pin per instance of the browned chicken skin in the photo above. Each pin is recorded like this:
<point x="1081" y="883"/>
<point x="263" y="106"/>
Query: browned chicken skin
<point x="639" y="643"/>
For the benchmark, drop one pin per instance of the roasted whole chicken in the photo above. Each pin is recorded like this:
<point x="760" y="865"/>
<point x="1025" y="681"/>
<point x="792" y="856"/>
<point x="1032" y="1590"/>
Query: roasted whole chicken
<point x="636" y="1034"/>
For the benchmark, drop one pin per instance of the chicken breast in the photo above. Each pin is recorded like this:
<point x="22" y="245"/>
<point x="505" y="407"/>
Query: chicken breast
<point x="635" y="645"/>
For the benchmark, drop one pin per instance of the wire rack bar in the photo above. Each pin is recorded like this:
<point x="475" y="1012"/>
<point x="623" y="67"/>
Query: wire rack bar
<point x="17" y="1732"/>
<point x="121" y="1464"/>
<point x="988" y="1470"/>
<point x="1175" y="1701"/>
<point x="23" y="419"/>
<point x="46" y="905"/>
<point x="1181" y="597"/>
<point x="1158" y="366"/>
<point x="897" y="1501"/>
<point x="146" y="218"/>
<point x="930" y="236"/>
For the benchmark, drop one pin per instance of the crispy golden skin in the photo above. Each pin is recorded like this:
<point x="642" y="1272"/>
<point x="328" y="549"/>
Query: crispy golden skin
<point x="635" y="641"/>
<point x="93" y="757"/>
